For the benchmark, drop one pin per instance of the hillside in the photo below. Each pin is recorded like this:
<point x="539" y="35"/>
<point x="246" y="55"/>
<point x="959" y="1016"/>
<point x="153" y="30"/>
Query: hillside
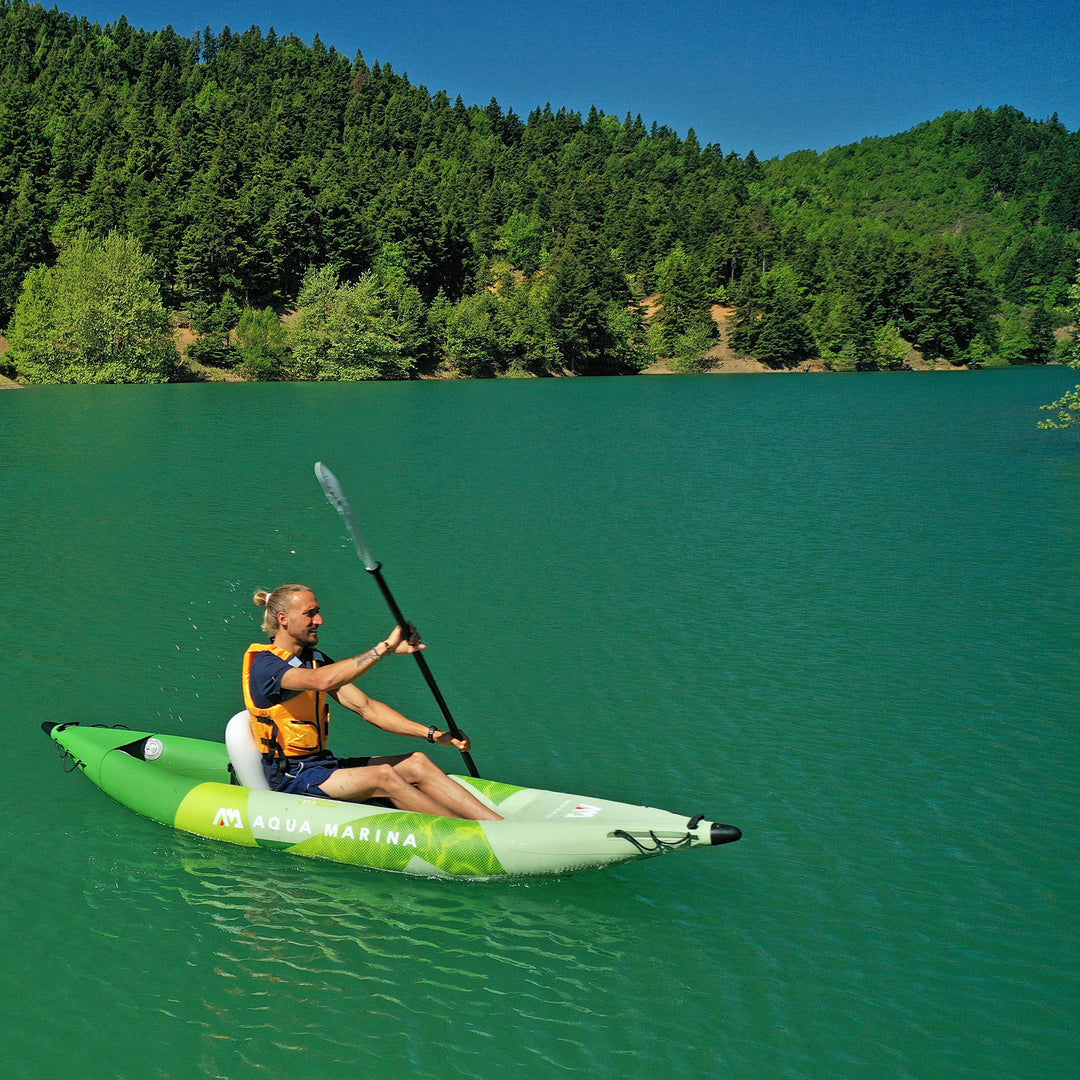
<point x="480" y="243"/>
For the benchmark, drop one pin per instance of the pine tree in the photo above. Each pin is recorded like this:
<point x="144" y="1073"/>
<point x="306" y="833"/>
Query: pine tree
<point x="1067" y="406"/>
<point x="1042" y="348"/>
<point x="261" y="344"/>
<point x="947" y="302"/>
<point x="351" y="332"/>
<point x="770" y="321"/>
<point x="683" y="299"/>
<point x="24" y="242"/>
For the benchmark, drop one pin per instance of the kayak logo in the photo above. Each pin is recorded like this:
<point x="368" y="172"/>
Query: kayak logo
<point x="584" y="810"/>
<point x="229" y="818"/>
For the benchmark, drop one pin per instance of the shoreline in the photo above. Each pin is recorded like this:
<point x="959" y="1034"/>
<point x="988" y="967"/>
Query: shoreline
<point x="745" y="366"/>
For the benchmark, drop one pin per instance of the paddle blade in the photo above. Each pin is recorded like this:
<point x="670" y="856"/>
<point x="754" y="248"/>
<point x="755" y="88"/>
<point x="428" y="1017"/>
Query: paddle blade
<point x="336" y="498"/>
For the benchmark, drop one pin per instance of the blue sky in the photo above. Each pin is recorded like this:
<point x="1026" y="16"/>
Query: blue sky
<point x="769" y="75"/>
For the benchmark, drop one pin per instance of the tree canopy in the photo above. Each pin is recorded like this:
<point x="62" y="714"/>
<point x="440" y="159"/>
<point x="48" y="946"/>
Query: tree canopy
<point x="242" y="164"/>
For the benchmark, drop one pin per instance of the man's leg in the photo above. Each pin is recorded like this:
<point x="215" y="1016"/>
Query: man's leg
<point x="421" y="772"/>
<point x="411" y="782"/>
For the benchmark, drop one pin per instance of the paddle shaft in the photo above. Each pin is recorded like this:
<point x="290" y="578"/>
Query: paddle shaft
<point x="334" y="493"/>
<point x="421" y="663"/>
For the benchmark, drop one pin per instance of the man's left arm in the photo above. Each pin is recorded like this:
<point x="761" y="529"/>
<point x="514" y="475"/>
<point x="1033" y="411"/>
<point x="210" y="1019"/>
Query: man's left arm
<point x="389" y="719"/>
<point x="378" y="712"/>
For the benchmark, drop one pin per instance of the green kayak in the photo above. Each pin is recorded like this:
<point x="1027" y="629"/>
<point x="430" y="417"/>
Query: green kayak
<point x="189" y="784"/>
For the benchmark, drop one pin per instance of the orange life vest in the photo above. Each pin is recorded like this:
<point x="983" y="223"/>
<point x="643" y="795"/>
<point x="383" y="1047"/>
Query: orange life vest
<point x="293" y="728"/>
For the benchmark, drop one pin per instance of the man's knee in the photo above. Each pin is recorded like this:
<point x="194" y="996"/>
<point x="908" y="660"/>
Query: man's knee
<point x="384" y="776"/>
<point x="415" y="766"/>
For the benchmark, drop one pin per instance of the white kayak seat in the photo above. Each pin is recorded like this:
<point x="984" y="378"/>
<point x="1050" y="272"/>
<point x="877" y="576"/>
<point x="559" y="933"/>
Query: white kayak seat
<point x="244" y="752"/>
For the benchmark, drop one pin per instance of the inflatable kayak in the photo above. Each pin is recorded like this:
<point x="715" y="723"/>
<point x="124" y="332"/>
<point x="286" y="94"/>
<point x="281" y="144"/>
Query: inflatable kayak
<point x="191" y="784"/>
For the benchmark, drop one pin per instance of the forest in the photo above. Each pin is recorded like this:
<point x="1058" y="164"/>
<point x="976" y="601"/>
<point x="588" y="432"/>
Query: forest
<point x="306" y="215"/>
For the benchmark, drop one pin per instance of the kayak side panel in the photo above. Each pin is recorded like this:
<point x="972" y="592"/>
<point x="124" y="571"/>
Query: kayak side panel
<point x="390" y="841"/>
<point x="356" y="833"/>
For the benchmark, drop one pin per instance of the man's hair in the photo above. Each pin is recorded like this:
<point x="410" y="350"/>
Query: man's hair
<point x="275" y="602"/>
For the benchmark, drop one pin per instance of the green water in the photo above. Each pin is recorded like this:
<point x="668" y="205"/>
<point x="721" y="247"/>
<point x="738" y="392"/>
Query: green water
<point x="839" y="612"/>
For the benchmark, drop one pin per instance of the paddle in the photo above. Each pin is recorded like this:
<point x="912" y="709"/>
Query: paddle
<point x="338" y="501"/>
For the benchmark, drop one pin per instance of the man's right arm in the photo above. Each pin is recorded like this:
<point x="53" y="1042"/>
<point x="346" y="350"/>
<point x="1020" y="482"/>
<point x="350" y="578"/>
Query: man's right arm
<point x="331" y="677"/>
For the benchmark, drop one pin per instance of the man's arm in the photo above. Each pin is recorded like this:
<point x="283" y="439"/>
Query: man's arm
<point x="377" y="712"/>
<point x="332" y="677"/>
<point x="389" y="719"/>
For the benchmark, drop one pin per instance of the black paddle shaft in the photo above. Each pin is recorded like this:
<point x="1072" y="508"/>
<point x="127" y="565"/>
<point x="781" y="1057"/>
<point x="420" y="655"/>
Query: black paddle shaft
<point x="421" y="663"/>
<point x="336" y="497"/>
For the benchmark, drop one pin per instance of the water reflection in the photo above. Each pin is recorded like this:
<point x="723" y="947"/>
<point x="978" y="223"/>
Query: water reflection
<point x="329" y="918"/>
<point x="320" y="963"/>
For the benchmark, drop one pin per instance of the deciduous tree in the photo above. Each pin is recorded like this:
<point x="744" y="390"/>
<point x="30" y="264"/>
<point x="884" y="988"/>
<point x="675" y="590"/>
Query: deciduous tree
<point x="94" y="317"/>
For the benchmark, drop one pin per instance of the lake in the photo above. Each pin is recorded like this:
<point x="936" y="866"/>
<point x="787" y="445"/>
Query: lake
<point x="837" y="611"/>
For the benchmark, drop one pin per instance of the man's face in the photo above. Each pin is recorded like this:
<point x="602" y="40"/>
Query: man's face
<point x="301" y="620"/>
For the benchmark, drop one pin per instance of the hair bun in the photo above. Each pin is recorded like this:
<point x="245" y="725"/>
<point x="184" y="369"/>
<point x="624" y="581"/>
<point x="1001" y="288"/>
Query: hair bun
<point x="262" y="597"/>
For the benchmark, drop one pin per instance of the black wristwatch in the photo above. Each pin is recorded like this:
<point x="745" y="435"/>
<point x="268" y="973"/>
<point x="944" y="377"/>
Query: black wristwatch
<point x="431" y="733"/>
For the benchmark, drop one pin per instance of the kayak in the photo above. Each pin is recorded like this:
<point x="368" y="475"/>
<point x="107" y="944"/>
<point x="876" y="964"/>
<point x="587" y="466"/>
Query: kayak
<point x="191" y="784"/>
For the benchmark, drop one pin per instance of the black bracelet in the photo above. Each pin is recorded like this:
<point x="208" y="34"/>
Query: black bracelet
<point x="431" y="733"/>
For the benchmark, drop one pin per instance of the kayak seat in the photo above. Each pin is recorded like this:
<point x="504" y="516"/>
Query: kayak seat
<point x="244" y="752"/>
<point x="246" y="759"/>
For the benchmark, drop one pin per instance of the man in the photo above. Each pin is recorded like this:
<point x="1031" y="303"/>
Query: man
<point x="286" y="685"/>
